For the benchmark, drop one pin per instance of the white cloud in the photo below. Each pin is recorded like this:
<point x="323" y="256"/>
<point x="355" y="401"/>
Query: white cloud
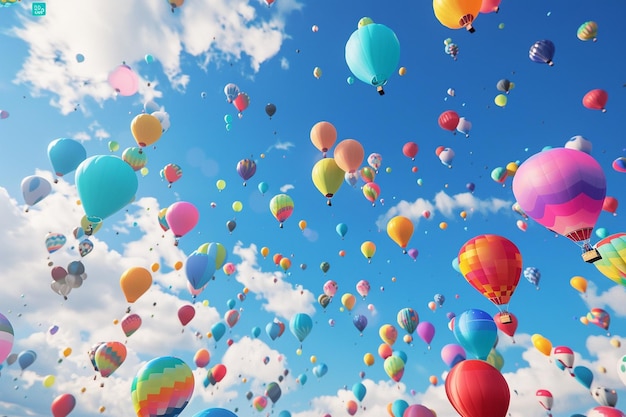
<point x="215" y="31"/>
<point x="284" y="63"/>
<point x="614" y="298"/>
<point x="445" y="204"/>
<point x="286" y="187"/>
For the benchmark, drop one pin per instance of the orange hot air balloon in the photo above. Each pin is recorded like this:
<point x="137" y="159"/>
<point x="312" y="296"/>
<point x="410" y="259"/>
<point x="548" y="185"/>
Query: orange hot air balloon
<point x="135" y="282"/>
<point x="400" y="230"/>
<point x="323" y="135"/>
<point x="285" y="264"/>
<point x="265" y="251"/>
<point x="349" y="154"/>
<point x="146" y="129"/>
<point x="492" y="264"/>
<point x="456" y="14"/>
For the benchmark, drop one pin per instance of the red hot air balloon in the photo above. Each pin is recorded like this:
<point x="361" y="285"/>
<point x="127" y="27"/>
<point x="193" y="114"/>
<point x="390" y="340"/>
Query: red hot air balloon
<point x="545" y="399"/>
<point x="596" y="100"/>
<point x="492" y="265"/>
<point x="610" y="204"/>
<point x="563" y="189"/>
<point x="410" y="149"/>
<point x="186" y="313"/>
<point x="63" y="405"/>
<point x="448" y="120"/>
<point x="477" y="389"/>
<point x="507" y="325"/>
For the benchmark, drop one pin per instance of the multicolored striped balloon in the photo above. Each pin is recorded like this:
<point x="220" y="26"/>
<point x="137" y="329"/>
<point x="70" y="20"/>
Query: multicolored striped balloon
<point x="6" y="337"/>
<point x="281" y="206"/>
<point x="55" y="241"/>
<point x="130" y="324"/>
<point x="162" y="387"/>
<point x="613" y="263"/>
<point x="562" y="189"/>
<point x="109" y="356"/>
<point x="492" y="265"/>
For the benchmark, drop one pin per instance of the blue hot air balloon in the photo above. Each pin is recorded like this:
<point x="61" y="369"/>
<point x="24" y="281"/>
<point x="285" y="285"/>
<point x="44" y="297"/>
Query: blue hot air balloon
<point x="583" y="375"/>
<point x="26" y="359"/>
<point x="301" y="325"/>
<point x="105" y="184"/>
<point x="218" y="330"/>
<point x="65" y="155"/>
<point x="341" y="229"/>
<point x="359" y="391"/>
<point x="533" y="275"/>
<point x="199" y="269"/>
<point x="273" y="330"/>
<point x="320" y="370"/>
<point x="215" y="412"/>
<point x="373" y="54"/>
<point x="360" y="322"/>
<point x="476" y="331"/>
<point x="35" y="189"/>
<point x="542" y="52"/>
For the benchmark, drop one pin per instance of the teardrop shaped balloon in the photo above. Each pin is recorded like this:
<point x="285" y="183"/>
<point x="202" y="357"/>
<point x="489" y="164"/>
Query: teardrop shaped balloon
<point x="110" y="356"/>
<point x="65" y="155"/>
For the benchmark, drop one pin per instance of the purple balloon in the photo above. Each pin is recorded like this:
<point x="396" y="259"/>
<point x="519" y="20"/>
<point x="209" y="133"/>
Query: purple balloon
<point x="413" y="253"/>
<point x="246" y="168"/>
<point x="426" y="332"/>
<point x="452" y="354"/>
<point x="542" y="52"/>
<point x="53" y="329"/>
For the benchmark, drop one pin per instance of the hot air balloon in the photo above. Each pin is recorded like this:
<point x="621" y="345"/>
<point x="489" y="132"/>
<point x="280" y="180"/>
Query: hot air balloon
<point x="181" y="217"/>
<point x="186" y="313"/>
<point x="596" y="99"/>
<point x="368" y="249"/>
<point x="371" y="191"/>
<point x="372" y="54"/>
<point x="613" y="263"/>
<point x="241" y="102"/>
<point x="146" y="129"/>
<point x="532" y="275"/>
<point x="542" y="52"/>
<point x="109" y="356"/>
<point x="476" y="331"/>
<point x="545" y="399"/>
<point x="270" y="109"/>
<point x="456" y="14"/>
<point x="587" y="31"/>
<point x="477" y="389"/>
<point x="135" y="281"/>
<point x="124" y="80"/>
<point x="599" y="317"/>
<point x="6" y="337"/>
<point x="135" y="157"/>
<point x="63" y="405"/>
<point x="105" y="184"/>
<point x="130" y="324"/>
<point x="246" y="168"/>
<point x="410" y="150"/>
<point x="448" y="120"/>
<point x="400" y="230"/>
<point x="564" y="357"/>
<point x="162" y="387"/>
<point x="281" y="206"/>
<point x="492" y="265"/>
<point x="171" y="173"/>
<point x="394" y="366"/>
<point x="490" y="6"/>
<point x="34" y="189"/>
<point x="231" y="91"/>
<point x="408" y="319"/>
<point x="323" y="135"/>
<point x="504" y="85"/>
<point x="563" y="190"/>
<point x="604" y="396"/>
<point x="300" y="325"/>
<point x="65" y="155"/>
<point x="327" y="177"/>
<point x="349" y="154"/>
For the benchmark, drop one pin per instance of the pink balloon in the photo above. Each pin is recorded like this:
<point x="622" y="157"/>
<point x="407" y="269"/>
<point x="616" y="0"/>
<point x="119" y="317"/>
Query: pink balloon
<point x="182" y="217"/>
<point x="58" y="273"/>
<point x="604" y="411"/>
<point x="417" y="410"/>
<point x="452" y="354"/>
<point x="124" y="80"/>
<point x="186" y="313"/>
<point x="490" y="6"/>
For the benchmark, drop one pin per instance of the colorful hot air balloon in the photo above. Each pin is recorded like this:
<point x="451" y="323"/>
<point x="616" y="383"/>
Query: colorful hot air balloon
<point x="135" y="281"/>
<point x="135" y="157"/>
<point x="54" y="241"/>
<point x="368" y="249"/>
<point x="588" y="31"/>
<point x="246" y="168"/>
<point x="456" y="14"/>
<point x="300" y="325"/>
<point x="172" y="173"/>
<point x="109" y="356"/>
<point x="599" y="317"/>
<point x="477" y="389"/>
<point x="327" y="177"/>
<point x="323" y="135"/>
<point x="130" y="324"/>
<point x="105" y="184"/>
<point x="394" y="366"/>
<point x="231" y="91"/>
<point x="408" y="319"/>
<point x="542" y="52"/>
<point x="476" y="331"/>
<point x="162" y="387"/>
<point x="596" y="99"/>
<point x="492" y="265"/>
<point x="371" y="191"/>
<point x="400" y="230"/>
<point x="281" y="206"/>
<point x="373" y="54"/>
<point x="613" y="263"/>
<point x="562" y="189"/>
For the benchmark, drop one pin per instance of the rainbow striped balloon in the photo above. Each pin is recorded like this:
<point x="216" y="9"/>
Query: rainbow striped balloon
<point x="109" y="356"/>
<point x="562" y="189"/>
<point x="162" y="387"/>
<point x="613" y="262"/>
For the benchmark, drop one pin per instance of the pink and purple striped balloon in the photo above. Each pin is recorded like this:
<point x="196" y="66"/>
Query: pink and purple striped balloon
<point x="562" y="189"/>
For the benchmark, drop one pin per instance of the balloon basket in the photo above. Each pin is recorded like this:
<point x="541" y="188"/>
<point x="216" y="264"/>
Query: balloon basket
<point x="380" y="90"/>
<point x="505" y="318"/>
<point x="591" y="256"/>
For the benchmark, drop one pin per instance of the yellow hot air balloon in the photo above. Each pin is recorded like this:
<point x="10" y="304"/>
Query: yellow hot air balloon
<point x="542" y="344"/>
<point x="388" y="333"/>
<point x="400" y="230"/>
<point x="579" y="284"/>
<point x="146" y="129"/>
<point x="317" y="72"/>
<point x="368" y="249"/>
<point x="265" y="251"/>
<point x="500" y="100"/>
<point x="348" y="300"/>
<point x="48" y="381"/>
<point x="616" y="343"/>
<point x="302" y="224"/>
<point x="90" y="228"/>
<point x="456" y="14"/>
<point x="327" y="177"/>
<point x="135" y="282"/>
<point x="368" y="359"/>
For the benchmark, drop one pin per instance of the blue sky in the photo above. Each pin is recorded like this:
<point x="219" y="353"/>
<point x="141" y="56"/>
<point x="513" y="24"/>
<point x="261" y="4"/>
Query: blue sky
<point x="270" y="53"/>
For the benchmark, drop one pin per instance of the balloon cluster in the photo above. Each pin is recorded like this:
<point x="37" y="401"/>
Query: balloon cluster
<point x="64" y="280"/>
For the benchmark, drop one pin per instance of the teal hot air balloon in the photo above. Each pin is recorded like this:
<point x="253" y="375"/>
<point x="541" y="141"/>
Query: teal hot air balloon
<point x="65" y="155"/>
<point x="373" y="54"/>
<point x="105" y="184"/>
<point x="301" y="325"/>
<point x="476" y="331"/>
